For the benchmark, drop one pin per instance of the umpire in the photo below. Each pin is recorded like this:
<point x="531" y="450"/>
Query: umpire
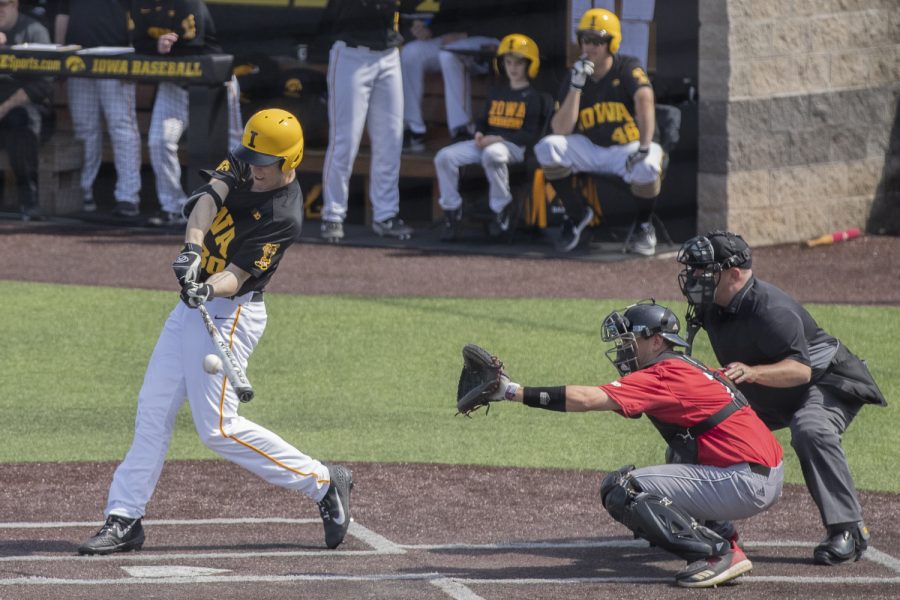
<point x="793" y="373"/>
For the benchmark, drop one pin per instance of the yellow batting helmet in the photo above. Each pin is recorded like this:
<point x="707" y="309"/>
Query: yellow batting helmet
<point x="522" y="46"/>
<point x="269" y="136"/>
<point x="605" y="23"/>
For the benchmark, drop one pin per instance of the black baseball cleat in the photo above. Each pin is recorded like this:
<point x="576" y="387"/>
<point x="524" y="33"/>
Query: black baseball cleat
<point x="118" y="534"/>
<point x="842" y="545"/>
<point x="335" y="506"/>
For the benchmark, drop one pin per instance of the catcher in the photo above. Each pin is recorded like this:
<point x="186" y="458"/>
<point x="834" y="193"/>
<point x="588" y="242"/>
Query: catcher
<point x="723" y="463"/>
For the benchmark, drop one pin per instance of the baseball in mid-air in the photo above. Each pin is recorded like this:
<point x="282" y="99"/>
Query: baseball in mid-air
<point x="212" y="363"/>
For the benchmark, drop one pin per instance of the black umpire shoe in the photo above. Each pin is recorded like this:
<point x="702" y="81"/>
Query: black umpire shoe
<point x="118" y="534"/>
<point x="843" y="544"/>
<point x="335" y="506"/>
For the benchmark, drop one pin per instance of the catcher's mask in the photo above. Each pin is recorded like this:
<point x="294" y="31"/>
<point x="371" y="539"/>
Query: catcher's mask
<point x="704" y="258"/>
<point x="599" y="22"/>
<point x="522" y="46"/>
<point x="272" y="135"/>
<point x="644" y="319"/>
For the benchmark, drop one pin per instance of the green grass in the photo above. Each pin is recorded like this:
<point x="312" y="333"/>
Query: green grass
<point x="369" y="379"/>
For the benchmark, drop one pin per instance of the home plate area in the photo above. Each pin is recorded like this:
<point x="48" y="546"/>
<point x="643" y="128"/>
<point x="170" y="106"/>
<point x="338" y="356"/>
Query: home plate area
<point x="221" y="558"/>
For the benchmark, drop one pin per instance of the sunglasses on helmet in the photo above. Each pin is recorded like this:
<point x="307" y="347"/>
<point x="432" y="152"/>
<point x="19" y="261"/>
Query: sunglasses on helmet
<point x="592" y="39"/>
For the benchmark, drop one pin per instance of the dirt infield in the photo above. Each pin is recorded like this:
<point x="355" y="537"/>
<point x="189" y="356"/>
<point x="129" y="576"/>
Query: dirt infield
<point x="863" y="271"/>
<point x="420" y="531"/>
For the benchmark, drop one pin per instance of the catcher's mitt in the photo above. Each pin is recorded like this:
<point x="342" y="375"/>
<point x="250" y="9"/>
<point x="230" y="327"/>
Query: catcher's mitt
<point x="481" y="381"/>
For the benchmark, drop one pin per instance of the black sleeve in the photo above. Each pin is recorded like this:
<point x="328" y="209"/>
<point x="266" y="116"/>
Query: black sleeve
<point x="140" y="36"/>
<point x="633" y="75"/>
<point x="195" y="28"/>
<point x="481" y="122"/>
<point x="38" y="89"/>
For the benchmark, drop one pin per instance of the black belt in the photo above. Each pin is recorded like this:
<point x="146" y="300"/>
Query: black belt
<point x="254" y="297"/>
<point x="760" y="469"/>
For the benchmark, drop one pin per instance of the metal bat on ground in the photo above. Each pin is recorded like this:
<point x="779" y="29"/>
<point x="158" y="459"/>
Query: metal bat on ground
<point x="233" y="370"/>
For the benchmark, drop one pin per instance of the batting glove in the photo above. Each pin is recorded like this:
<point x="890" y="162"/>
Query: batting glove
<point x="187" y="264"/>
<point x="194" y="294"/>
<point x="581" y="70"/>
<point x="636" y="157"/>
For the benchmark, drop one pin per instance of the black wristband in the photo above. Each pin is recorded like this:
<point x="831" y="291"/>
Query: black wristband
<point x="549" y="398"/>
<point x="190" y="247"/>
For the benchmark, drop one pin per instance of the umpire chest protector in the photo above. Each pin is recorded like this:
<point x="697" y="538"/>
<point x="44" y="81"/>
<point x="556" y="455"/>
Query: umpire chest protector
<point x="682" y="441"/>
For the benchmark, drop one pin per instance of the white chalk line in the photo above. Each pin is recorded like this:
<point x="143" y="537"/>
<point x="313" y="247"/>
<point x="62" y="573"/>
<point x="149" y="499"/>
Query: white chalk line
<point x="455" y="587"/>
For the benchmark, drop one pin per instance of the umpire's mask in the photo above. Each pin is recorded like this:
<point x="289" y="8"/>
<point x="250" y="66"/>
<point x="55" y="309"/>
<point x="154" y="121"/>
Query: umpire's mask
<point x="704" y="258"/>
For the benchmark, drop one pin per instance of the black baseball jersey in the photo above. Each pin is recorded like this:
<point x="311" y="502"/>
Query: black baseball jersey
<point x="190" y="19"/>
<point x="95" y="23"/>
<point x="252" y="231"/>
<point x="370" y="23"/>
<point x="763" y="325"/>
<point x="606" y="111"/>
<point x="513" y="114"/>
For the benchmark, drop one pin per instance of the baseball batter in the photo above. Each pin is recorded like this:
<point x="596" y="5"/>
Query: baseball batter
<point x="724" y="463"/>
<point x="364" y="88"/>
<point x="240" y="225"/>
<point x="605" y="124"/>
<point x="179" y="28"/>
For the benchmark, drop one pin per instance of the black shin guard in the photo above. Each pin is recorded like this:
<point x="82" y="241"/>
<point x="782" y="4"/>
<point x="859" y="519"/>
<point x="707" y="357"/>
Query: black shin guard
<point x="657" y="520"/>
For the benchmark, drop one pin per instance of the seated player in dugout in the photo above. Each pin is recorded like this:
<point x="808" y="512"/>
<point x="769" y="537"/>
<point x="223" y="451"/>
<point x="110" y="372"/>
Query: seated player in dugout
<point x="605" y="125"/>
<point x="723" y="462"/>
<point x="240" y="224"/>
<point x="510" y="125"/>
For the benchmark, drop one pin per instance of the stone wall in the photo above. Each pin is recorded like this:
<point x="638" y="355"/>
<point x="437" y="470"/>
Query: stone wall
<point x="798" y="115"/>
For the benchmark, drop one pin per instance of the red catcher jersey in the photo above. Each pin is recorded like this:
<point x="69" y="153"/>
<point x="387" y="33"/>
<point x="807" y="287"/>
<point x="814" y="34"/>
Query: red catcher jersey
<point x="675" y="392"/>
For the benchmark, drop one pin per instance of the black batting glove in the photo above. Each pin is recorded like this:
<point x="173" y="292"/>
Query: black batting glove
<point x="234" y="172"/>
<point x="187" y="264"/>
<point x="194" y="294"/>
<point x="636" y="157"/>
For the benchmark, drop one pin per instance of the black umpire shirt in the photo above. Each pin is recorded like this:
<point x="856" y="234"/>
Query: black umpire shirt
<point x="763" y="325"/>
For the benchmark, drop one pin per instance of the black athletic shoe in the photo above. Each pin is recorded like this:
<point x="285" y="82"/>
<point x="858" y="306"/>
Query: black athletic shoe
<point x="842" y="545"/>
<point x="413" y="142"/>
<point x="450" y="226"/>
<point x="335" y="506"/>
<point x="502" y="223"/>
<point x="570" y="233"/>
<point x="118" y="534"/>
<point x="460" y="134"/>
<point x="126" y="210"/>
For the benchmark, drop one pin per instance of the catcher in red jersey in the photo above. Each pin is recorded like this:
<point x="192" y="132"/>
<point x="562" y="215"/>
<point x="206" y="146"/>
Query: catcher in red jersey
<point x="723" y="462"/>
<point x="605" y="124"/>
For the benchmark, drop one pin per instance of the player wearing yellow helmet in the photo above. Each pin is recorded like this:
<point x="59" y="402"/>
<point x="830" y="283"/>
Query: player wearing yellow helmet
<point x="605" y="124"/>
<point x="240" y="224"/>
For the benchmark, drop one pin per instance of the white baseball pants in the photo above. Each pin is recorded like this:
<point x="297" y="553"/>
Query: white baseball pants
<point x="427" y="56"/>
<point x="578" y="153"/>
<point x="364" y="88"/>
<point x="175" y="373"/>
<point x="115" y="99"/>
<point x="169" y="121"/>
<point x="495" y="159"/>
